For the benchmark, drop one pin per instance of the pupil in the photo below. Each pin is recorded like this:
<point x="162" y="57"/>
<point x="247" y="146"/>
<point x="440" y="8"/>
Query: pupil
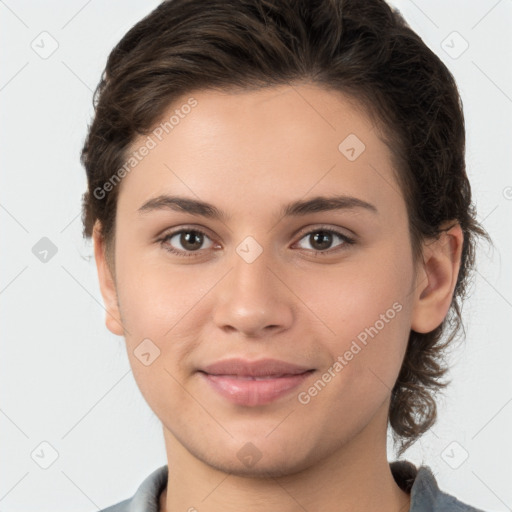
<point x="188" y="238"/>
<point x="322" y="238"/>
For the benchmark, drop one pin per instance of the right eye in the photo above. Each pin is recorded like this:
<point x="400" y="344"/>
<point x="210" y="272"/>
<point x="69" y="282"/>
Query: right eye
<point x="190" y="240"/>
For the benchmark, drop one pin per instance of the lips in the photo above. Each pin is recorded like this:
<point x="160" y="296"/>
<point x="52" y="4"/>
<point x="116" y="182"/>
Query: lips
<point x="258" y="369"/>
<point x="252" y="383"/>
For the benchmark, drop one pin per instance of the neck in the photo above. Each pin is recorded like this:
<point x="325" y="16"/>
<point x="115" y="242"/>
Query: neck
<point x="355" y="477"/>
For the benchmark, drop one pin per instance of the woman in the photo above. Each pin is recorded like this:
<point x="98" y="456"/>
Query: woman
<point x="283" y="231"/>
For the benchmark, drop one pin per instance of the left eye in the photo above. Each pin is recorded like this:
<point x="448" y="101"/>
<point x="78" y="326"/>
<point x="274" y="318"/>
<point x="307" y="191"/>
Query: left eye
<point x="321" y="238"/>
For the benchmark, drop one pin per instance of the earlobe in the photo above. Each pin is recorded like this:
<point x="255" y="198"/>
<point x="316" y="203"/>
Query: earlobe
<point x="437" y="278"/>
<point x="107" y="283"/>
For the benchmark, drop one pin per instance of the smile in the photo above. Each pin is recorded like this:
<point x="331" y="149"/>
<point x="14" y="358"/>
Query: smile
<point x="252" y="391"/>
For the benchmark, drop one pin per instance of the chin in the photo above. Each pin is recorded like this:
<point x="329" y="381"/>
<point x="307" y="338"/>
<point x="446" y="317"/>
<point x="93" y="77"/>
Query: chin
<point x="263" y="470"/>
<point x="249" y="461"/>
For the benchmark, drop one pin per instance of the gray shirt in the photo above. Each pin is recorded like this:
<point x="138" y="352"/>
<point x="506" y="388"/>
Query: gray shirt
<point x="419" y="482"/>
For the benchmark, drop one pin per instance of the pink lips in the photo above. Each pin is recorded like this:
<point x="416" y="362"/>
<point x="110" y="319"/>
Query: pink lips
<point x="254" y="383"/>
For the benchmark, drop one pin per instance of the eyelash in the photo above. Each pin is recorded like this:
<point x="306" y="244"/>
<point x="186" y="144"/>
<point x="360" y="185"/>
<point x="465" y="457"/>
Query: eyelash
<point x="347" y="241"/>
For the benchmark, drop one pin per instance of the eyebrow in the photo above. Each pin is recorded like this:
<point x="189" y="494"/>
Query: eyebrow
<point x="293" y="209"/>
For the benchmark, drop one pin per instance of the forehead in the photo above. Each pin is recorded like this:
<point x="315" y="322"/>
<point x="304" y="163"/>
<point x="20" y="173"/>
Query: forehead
<point x="259" y="145"/>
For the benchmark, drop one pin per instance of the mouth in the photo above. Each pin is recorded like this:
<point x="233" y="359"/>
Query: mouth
<point x="250" y="391"/>
<point x="240" y="367"/>
<point x="249" y="377"/>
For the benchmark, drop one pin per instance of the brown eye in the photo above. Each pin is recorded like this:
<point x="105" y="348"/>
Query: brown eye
<point x="185" y="242"/>
<point x="191" y="240"/>
<point x="321" y="240"/>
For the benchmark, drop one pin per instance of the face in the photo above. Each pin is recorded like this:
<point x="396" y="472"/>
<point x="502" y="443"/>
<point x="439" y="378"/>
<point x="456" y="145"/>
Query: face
<point x="327" y="286"/>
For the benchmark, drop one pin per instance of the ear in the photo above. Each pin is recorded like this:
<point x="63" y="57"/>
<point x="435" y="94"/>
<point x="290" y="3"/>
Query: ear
<point x="437" y="277"/>
<point x="107" y="283"/>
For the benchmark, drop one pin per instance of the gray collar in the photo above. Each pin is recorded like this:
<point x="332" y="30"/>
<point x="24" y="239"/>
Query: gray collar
<point x="419" y="482"/>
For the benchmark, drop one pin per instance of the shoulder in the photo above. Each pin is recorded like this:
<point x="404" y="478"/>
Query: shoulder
<point x="122" y="506"/>
<point x="426" y="496"/>
<point x="146" y="498"/>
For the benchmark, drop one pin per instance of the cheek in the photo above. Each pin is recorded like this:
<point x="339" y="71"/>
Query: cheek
<point x="155" y="295"/>
<point x="364" y="310"/>
<point x="351" y="296"/>
<point x="157" y="306"/>
<point x="371" y="323"/>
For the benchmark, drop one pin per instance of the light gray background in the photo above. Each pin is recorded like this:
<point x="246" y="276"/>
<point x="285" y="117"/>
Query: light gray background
<point x="66" y="381"/>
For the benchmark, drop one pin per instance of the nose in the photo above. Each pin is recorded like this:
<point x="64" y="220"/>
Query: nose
<point x="253" y="300"/>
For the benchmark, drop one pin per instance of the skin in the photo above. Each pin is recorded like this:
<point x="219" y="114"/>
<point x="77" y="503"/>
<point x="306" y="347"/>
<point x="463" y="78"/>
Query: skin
<point x="249" y="153"/>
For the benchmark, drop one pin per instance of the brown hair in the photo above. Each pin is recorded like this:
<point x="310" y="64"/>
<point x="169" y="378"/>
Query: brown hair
<point x="362" y="48"/>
